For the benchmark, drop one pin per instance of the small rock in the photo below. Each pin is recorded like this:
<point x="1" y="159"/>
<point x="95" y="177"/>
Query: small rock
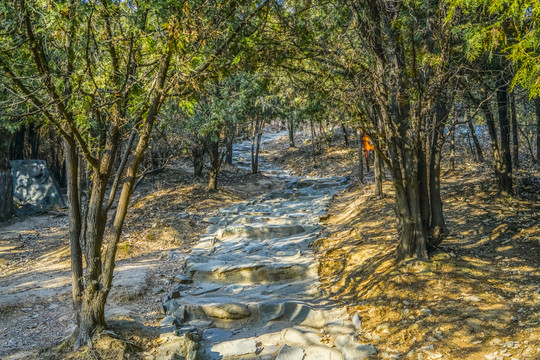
<point x="426" y="311"/>
<point x="291" y="353"/>
<point x="357" y="322"/>
<point x="168" y="321"/>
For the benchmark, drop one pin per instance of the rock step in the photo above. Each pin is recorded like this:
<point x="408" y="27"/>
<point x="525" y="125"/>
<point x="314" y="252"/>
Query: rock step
<point x="262" y="231"/>
<point x="272" y="248"/>
<point x="266" y="270"/>
<point x="228" y="313"/>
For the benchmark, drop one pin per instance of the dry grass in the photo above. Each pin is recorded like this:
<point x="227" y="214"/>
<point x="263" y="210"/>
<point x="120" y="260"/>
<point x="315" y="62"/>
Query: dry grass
<point x="479" y="296"/>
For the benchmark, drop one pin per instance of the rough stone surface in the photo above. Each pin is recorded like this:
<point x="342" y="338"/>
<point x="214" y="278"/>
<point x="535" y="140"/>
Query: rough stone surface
<point x="251" y="286"/>
<point x="34" y="188"/>
<point x="353" y="350"/>
<point x="235" y="347"/>
<point x="176" y="348"/>
<point x="291" y="353"/>
<point x="227" y="311"/>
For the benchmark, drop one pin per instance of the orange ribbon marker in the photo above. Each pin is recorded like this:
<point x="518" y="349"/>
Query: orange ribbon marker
<point x="367" y="145"/>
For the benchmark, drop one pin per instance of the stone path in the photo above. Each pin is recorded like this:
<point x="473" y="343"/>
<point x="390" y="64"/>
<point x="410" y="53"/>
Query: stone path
<point x="250" y="289"/>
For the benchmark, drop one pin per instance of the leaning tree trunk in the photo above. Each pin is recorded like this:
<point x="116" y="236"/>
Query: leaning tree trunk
<point x="6" y="179"/>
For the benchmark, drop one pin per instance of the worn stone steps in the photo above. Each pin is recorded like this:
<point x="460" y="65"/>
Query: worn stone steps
<point x="250" y="290"/>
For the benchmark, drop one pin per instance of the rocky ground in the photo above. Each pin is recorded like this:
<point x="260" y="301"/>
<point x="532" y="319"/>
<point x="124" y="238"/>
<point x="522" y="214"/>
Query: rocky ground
<point x="164" y="223"/>
<point x="476" y="299"/>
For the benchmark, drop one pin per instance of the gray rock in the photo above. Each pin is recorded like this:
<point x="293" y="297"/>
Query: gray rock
<point x="168" y="321"/>
<point x="352" y="350"/>
<point x="227" y="311"/>
<point x="235" y="347"/>
<point x="357" y="322"/>
<point x="291" y="353"/>
<point x="34" y="188"/>
<point x="177" y="347"/>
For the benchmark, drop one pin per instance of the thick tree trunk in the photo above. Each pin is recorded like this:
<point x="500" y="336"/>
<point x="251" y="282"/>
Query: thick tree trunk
<point x="515" y="131"/>
<point x="437" y="229"/>
<point x="505" y="179"/>
<point x="72" y="167"/>
<point x="6" y="179"/>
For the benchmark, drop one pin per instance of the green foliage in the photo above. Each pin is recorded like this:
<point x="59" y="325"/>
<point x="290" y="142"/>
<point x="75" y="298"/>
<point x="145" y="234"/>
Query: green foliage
<point x="509" y="27"/>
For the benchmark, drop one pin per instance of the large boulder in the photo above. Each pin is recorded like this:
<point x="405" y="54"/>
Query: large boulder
<point x="34" y="188"/>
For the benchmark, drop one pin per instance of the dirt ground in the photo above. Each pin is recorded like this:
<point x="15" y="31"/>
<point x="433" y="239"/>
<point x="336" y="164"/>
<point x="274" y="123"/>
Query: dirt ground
<point x="477" y="298"/>
<point x="164" y="222"/>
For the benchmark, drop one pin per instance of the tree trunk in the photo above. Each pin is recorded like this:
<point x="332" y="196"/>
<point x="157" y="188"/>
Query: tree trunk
<point x="515" y="130"/>
<point x="537" y="107"/>
<point x="229" y="155"/>
<point x="198" y="150"/>
<point x="215" y="163"/>
<point x="256" y="135"/>
<point x="290" y="126"/>
<point x="345" y="134"/>
<point x="378" y="170"/>
<point x="505" y="179"/>
<point x="360" y="157"/>
<point x="6" y="179"/>
<point x="453" y="145"/>
<point x="437" y="228"/>
<point x="477" y="146"/>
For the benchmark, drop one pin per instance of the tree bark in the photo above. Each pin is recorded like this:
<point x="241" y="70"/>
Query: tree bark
<point x="6" y="179"/>
<point x="537" y="108"/>
<point x="360" y="157"/>
<point x="256" y="135"/>
<point x="345" y="134"/>
<point x="477" y="146"/>
<point x="229" y="155"/>
<point x="215" y="163"/>
<point x="378" y="170"/>
<point x="198" y="150"/>
<point x="290" y="128"/>
<point x="437" y="228"/>
<point x="505" y="179"/>
<point x="515" y="131"/>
